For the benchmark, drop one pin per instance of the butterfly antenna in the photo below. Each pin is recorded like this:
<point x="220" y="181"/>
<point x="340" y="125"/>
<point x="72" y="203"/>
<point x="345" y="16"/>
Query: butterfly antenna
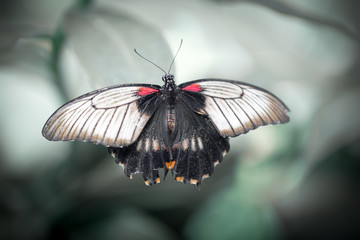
<point x="175" y="56"/>
<point x="149" y="61"/>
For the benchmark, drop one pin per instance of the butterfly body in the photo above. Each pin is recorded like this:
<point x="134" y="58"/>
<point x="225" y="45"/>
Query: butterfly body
<point x="183" y="128"/>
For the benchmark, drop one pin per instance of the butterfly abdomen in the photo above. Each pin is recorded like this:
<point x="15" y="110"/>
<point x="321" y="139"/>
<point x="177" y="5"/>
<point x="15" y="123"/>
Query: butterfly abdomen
<point x="170" y="118"/>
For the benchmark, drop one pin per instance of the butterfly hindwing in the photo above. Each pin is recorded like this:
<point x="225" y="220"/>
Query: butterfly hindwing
<point x="197" y="146"/>
<point x="149" y="152"/>
<point x="113" y="116"/>
<point x="234" y="107"/>
<point x="191" y="151"/>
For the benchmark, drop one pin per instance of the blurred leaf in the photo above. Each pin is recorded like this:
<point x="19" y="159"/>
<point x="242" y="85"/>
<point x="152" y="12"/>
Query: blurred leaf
<point x="290" y="8"/>
<point x="101" y="44"/>
<point x="22" y="79"/>
<point x="326" y="204"/>
<point x="43" y="15"/>
<point x="118" y="223"/>
<point x="233" y="214"/>
<point x="336" y="123"/>
<point x="246" y="210"/>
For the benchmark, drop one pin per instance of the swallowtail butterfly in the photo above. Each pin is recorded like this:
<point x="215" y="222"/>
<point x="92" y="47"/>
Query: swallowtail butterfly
<point x="183" y="128"/>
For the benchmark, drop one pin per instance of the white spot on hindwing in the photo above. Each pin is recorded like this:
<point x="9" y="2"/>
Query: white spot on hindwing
<point x="200" y="143"/>
<point x="155" y="145"/>
<point x="185" y="144"/>
<point x="138" y="146"/>
<point x="113" y="154"/>
<point x="147" y="144"/>
<point x="122" y="165"/>
<point x="193" y="144"/>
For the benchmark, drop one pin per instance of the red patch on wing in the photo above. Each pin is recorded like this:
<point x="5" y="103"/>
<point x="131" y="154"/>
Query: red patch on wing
<point x="143" y="91"/>
<point x="193" y="88"/>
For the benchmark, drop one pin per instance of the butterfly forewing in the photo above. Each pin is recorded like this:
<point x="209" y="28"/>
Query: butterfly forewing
<point x="113" y="116"/>
<point x="234" y="107"/>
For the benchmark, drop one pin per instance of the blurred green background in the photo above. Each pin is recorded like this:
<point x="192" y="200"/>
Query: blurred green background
<point x="295" y="181"/>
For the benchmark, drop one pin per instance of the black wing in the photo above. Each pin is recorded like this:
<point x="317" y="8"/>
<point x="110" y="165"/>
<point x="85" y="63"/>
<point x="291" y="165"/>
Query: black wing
<point x="197" y="146"/>
<point x="191" y="151"/>
<point x="113" y="116"/>
<point x="149" y="152"/>
<point x="233" y="107"/>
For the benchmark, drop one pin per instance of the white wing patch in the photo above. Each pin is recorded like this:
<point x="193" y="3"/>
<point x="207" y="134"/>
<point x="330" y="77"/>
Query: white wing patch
<point x="236" y="108"/>
<point x="218" y="88"/>
<point x="115" y="97"/>
<point x="108" y="117"/>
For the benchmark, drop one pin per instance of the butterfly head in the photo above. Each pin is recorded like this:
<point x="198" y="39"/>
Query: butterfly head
<point x="168" y="78"/>
<point x="169" y="82"/>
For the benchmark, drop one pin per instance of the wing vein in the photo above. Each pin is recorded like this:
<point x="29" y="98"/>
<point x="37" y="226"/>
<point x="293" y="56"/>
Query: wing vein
<point x="245" y="114"/>
<point x="222" y="112"/>
<point x="256" y="101"/>
<point x="61" y="126"/>
<point x="273" y="108"/>
<point x="62" y="120"/>
<point x="142" y="114"/>
<point x="236" y="115"/>
<point x="194" y="99"/>
<point x="97" y="122"/>
<point x="80" y="115"/>
<point x="122" y="121"/>
<point x="268" y="96"/>
<point x="107" y="127"/>
<point x="87" y="119"/>
<point x="262" y="120"/>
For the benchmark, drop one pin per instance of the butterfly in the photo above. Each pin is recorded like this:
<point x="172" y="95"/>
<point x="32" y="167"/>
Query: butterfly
<point x="182" y="128"/>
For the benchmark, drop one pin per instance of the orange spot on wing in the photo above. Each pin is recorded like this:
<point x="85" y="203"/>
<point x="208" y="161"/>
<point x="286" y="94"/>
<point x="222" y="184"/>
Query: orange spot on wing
<point x="170" y="165"/>
<point x="175" y="146"/>
<point x="157" y="180"/>
<point x="143" y="91"/>
<point x="180" y="179"/>
<point x="147" y="183"/>
<point x="193" y="88"/>
<point x="193" y="181"/>
<point x="205" y="176"/>
<point x="163" y="147"/>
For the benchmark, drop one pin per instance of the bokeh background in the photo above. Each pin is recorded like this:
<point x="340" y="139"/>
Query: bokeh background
<point x="295" y="181"/>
